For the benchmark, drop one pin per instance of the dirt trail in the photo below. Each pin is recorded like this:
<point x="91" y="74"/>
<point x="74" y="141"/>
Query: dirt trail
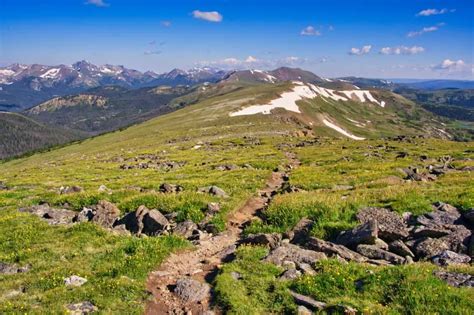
<point x="203" y="262"/>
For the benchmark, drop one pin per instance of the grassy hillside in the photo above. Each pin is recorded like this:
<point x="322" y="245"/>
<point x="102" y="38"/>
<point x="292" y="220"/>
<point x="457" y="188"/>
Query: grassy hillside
<point x="21" y="135"/>
<point x="200" y="138"/>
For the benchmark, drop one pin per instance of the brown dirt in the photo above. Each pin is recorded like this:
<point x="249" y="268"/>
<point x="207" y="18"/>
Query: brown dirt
<point x="204" y="261"/>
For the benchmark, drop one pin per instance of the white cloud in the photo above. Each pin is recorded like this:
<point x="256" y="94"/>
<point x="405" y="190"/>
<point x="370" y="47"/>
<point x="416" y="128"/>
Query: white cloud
<point x="428" y="12"/>
<point x="253" y="63"/>
<point x="166" y="23"/>
<point x="251" y="59"/>
<point x="425" y="30"/>
<point x="97" y="3"/>
<point x="211" y="16"/>
<point x="459" y="67"/>
<point x="402" y="50"/>
<point x="310" y="31"/>
<point x="360" y="51"/>
<point x="152" y="52"/>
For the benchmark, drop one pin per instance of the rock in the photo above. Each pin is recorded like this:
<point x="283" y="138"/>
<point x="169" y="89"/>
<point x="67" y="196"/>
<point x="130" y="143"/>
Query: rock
<point x="306" y="269"/>
<point x="379" y="262"/>
<point x="302" y="310"/>
<point x="287" y="253"/>
<point x="380" y="244"/>
<point x="332" y="249"/>
<point x="470" y="250"/>
<point x="458" y="240"/>
<point x="170" y="188"/>
<point x="409" y="260"/>
<point x="399" y="248"/>
<point x="391" y="226"/>
<point x="52" y="215"/>
<point x="190" y="290"/>
<point x="272" y="240"/>
<point x="365" y="233"/>
<point x="74" y="281"/>
<point x="374" y="252"/>
<point x="104" y="189"/>
<point x="301" y="232"/>
<point x="81" y="308"/>
<point x="429" y="247"/>
<point x="12" y="294"/>
<point x="154" y="223"/>
<point x="10" y="269"/>
<point x="3" y="186"/>
<point x="432" y="231"/>
<point x="213" y="208"/>
<point x="106" y="213"/>
<point x="307" y="301"/>
<point x="447" y="258"/>
<point x="341" y="309"/>
<point x="85" y="215"/>
<point x="290" y="274"/>
<point x="455" y="279"/>
<point x="226" y="167"/>
<point x="70" y="190"/>
<point x="213" y="190"/>
<point x="185" y="229"/>
<point x="469" y="216"/>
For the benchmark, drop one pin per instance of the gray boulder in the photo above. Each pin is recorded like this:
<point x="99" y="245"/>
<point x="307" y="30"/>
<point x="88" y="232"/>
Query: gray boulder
<point x="308" y="302"/>
<point x="53" y="216"/>
<point x="81" y="308"/>
<point x="189" y="290"/>
<point x="271" y="240"/>
<point x="154" y="223"/>
<point x="213" y="190"/>
<point x="185" y="229"/>
<point x="429" y="247"/>
<point x="74" y="281"/>
<point x="373" y="252"/>
<point x="455" y="279"/>
<point x="391" y="226"/>
<point x="447" y="258"/>
<point x="399" y="248"/>
<point x="301" y="232"/>
<point x="106" y="213"/>
<point x="70" y="190"/>
<point x="213" y="208"/>
<point x="332" y="249"/>
<point x="444" y="214"/>
<point x="292" y="253"/>
<point x="170" y="188"/>
<point x="85" y="215"/>
<point x="366" y="233"/>
<point x="290" y="274"/>
<point x="10" y="269"/>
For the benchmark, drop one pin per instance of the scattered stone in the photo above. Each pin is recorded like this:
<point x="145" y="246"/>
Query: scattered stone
<point x="170" y="188"/>
<point x="399" y="248"/>
<point x="52" y="215"/>
<point x="185" y="229"/>
<point x="190" y="290"/>
<point x="226" y="167"/>
<point x="458" y="240"/>
<point x="391" y="226"/>
<point x="70" y="190"/>
<point x="300" y="233"/>
<point x="3" y="186"/>
<point x="81" y="308"/>
<point x="365" y="233"/>
<point x="342" y="187"/>
<point x="374" y="252"/>
<point x="104" y="189"/>
<point x="272" y="240"/>
<point x="455" y="279"/>
<point x="10" y="269"/>
<point x="85" y="215"/>
<point x="106" y="213"/>
<point x="447" y="258"/>
<point x="290" y="274"/>
<point x="235" y="275"/>
<point x="307" y="301"/>
<point x="332" y="249"/>
<point x="306" y="269"/>
<point x="74" y="281"/>
<point x="213" y="190"/>
<point x="290" y="255"/>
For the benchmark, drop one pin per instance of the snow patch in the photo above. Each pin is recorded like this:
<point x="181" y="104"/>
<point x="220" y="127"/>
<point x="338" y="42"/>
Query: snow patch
<point x="286" y="101"/>
<point x="363" y="96"/>
<point x="7" y="72"/>
<point x="340" y="130"/>
<point x="51" y="73"/>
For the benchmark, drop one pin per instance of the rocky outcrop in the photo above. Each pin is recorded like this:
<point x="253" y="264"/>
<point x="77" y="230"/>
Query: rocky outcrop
<point x="106" y="213"/>
<point x="190" y="290"/>
<point x="333" y="250"/>
<point x="391" y="226"/>
<point x="365" y="233"/>
<point x="53" y="216"/>
<point x="10" y="269"/>
<point x="271" y="240"/>
<point x="292" y="253"/>
<point x="455" y="279"/>
<point x="373" y="252"/>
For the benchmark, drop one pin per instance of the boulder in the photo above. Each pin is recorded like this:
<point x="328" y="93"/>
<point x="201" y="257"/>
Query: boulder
<point x="373" y="252"/>
<point x="302" y="310"/>
<point x="308" y="302"/>
<point x="332" y="249"/>
<point x="74" y="281"/>
<point x="154" y="223"/>
<point x="429" y="247"/>
<point x="213" y="208"/>
<point x="301" y="232"/>
<point x="341" y="309"/>
<point x="85" y="215"/>
<point x="458" y="240"/>
<point x="271" y="240"/>
<point x="306" y="269"/>
<point x="170" y="188"/>
<point x="380" y="244"/>
<point x="439" y="218"/>
<point x="106" y="213"/>
<point x="226" y="167"/>
<point x="185" y="229"/>
<point x="391" y="226"/>
<point x="469" y="216"/>
<point x="366" y="233"/>
<point x="470" y="249"/>
<point x="292" y="253"/>
<point x="430" y="231"/>
<point x="53" y="216"/>
<point x="81" y="308"/>
<point x="447" y="258"/>
<point x="104" y="189"/>
<point x="455" y="279"/>
<point x="189" y="290"/>
<point x="235" y="275"/>
<point x="400" y="248"/>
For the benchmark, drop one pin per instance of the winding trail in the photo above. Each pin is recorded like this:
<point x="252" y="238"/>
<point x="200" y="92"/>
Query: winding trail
<point x="203" y="262"/>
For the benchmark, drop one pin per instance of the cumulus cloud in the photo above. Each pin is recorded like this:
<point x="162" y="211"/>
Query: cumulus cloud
<point x="97" y="3"/>
<point x="428" y="12"/>
<point x="402" y="50"/>
<point x="166" y="23"/>
<point x="210" y="16"/>
<point x="310" y="31"/>
<point x="251" y="59"/>
<point x="360" y="51"/>
<point x="454" y="67"/>
<point x="425" y="30"/>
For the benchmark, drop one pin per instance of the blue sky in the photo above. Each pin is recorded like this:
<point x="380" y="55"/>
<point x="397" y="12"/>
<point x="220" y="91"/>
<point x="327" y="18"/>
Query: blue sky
<point x="386" y="39"/>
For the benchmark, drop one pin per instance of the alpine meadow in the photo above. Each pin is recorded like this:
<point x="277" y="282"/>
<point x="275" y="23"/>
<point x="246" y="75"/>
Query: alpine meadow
<point x="315" y="158"/>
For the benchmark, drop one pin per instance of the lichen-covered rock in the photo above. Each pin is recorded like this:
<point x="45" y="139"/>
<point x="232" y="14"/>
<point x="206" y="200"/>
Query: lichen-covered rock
<point x="185" y="229"/>
<point x="391" y="226"/>
<point x="106" y="213"/>
<point x="373" y="252"/>
<point x="455" y="279"/>
<point x="332" y="249"/>
<point x="447" y="258"/>
<point x="400" y="248"/>
<point x="292" y="253"/>
<point x="190" y="290"/>
<point x="271" y="240"/>
<point x="366" y="233"/>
